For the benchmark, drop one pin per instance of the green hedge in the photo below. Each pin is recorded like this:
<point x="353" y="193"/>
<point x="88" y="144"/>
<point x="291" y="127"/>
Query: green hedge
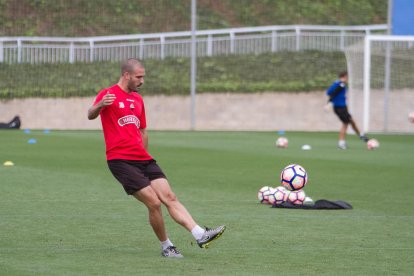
<point x="284" y="71"/>
<point x="109" y="17"/>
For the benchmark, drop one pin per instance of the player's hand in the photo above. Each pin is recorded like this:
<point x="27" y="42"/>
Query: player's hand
<point x="108" y="99"/>
<point x="328" y="107"/>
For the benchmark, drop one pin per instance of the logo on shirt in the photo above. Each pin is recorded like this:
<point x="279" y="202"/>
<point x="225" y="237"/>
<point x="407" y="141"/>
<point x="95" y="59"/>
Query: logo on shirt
<point x="121" y="105"/>
<point x="129" y="119"/>
<point x="132" y="106"/>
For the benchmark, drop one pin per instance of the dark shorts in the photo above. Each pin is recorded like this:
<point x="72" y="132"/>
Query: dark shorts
<point x="343" y="114"/>
<point x="135" y="175"/>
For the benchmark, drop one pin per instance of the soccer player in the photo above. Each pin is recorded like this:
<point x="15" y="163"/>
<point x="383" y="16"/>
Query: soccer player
<point x="124" y="127"/>
<point x="337" y="97"/>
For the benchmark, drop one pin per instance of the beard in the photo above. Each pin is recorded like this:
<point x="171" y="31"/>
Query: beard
<point x="134" y="88"/>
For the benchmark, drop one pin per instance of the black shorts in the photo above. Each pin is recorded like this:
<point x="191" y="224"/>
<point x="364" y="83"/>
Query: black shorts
<point x="343" y="114"/>
<point x="133" y="174"/>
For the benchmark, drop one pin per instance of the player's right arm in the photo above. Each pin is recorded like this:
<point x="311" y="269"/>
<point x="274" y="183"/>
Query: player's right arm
<point x="94" y="110"/>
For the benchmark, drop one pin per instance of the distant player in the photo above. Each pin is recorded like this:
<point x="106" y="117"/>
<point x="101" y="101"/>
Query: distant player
<point x="337" y="97"/>
<point x="124" y="126"/>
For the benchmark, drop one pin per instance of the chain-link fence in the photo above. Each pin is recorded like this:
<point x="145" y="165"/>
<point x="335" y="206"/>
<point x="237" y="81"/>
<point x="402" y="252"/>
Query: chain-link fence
<point x="241" y="65"/>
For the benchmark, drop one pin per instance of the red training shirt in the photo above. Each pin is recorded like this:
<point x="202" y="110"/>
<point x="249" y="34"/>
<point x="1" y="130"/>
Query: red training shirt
<point x="121" y="123"/>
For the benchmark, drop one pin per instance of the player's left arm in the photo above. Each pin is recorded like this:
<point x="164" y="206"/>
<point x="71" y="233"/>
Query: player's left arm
<point x="143" y="126"/>
<point x="144" y="135"/>
<point x="336" y="91"/>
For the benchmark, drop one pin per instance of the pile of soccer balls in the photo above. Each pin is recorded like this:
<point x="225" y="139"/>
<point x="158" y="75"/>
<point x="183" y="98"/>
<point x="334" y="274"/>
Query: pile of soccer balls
<point x="293" y="179"/>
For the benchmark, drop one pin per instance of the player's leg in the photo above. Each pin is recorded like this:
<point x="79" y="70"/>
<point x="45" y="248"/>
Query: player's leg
<point x="150" y="199"/>
<point x="130" y="175"/>
<point x="347" y="118"/>
<point x="177" y="211"/>
<point x="342" y="131"/>
<point x="342" y="136"/>
<point x="356" y="129"/>
<point x="342" y="114"/>
<point x="180" y="214"/>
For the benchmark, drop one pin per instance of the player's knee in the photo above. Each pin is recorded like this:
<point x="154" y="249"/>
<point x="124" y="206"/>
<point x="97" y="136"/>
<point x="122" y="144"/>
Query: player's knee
<point x="154" y="203"/>
<point x="170" y="198"/>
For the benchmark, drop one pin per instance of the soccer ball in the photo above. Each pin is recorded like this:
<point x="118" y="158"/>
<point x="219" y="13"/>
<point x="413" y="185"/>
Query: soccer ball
<point x="264" y="193"/>
<point x="279" y="195"/>
<point x="297" y="197"/>
<point x="293" y="177"/>
<point x="411" y="117"/>
<point x="286" y="191"/>
<point x="372" y="144"/>
<point x="282" y="142"/>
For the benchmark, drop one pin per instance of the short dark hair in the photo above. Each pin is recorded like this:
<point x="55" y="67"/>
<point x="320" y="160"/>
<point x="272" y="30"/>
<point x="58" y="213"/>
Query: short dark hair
<point x="129" y="64"/>
<point x="343" y="74"/>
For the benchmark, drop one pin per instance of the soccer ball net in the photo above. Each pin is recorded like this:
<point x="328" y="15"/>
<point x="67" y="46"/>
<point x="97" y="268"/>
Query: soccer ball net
<point x="387" y="73"/>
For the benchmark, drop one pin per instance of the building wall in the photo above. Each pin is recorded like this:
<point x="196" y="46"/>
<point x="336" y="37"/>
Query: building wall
<point x="262" y="111"/>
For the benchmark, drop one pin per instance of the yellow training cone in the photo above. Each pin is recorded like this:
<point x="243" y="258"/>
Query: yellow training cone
<point x="8" y="164"/>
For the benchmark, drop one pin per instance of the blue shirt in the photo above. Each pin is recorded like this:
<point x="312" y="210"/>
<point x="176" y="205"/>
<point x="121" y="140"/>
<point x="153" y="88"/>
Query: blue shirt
<point x="338" y="88"/>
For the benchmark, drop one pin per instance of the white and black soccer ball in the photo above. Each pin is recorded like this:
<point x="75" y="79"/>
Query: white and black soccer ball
<point x="297" y="197"/>
<point x="293" y="177"/>
<point x="411" y="117"/>
<point x="279" y="195"/>
<point x="282" y="142"/>
<point x="264" y="193"/>
<point x="373" y="144"/>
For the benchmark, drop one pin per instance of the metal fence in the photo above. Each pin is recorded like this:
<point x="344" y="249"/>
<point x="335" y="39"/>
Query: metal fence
<point x="177" y="44"/>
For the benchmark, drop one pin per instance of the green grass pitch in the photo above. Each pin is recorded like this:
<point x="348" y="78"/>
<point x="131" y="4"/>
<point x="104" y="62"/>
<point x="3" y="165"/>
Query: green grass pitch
<point x="62" y="212"/>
